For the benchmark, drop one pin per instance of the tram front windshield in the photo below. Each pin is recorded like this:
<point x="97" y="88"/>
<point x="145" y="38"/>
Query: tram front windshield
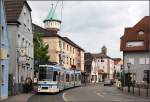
<point x="45" y="74"/>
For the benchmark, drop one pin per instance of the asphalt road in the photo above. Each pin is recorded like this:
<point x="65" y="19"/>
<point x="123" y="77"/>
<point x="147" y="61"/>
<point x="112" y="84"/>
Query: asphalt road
<point x="90" y="93"/>
<point x="100" y="93"/>
<point x="46" y="97"/>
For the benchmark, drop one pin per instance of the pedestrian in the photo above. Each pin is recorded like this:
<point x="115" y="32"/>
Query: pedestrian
<point x="28" y="84"/>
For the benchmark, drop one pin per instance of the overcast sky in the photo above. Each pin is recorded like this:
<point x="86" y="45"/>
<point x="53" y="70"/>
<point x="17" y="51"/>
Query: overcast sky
<point x="93" y="24"/>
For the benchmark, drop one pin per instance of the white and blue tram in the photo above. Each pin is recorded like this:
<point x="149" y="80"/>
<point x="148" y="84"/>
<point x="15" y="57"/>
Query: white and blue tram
<point x="54" y="78"/>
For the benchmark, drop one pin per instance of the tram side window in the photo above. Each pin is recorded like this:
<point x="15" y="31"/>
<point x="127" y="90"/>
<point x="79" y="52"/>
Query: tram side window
<point x="79" y="77"/>
<point x="62" y="77"/>
<point x="72" y="77"/>
<point x="67" y="77"/>
<point x="55" y="76"/>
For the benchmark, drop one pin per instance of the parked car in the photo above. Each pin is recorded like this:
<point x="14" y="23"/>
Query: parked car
<point x="108" y="82"/>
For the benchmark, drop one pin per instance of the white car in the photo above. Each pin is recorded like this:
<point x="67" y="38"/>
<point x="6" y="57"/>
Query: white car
<point x="108" y="82"/>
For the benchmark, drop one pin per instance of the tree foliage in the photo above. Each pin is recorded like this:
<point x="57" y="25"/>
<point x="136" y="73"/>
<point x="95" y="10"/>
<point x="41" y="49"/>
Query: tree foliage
<point x="40" y="50"/>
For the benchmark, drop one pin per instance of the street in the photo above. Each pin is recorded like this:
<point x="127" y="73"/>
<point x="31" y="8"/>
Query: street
<point x="89" y="93"/>
<point x="46" y="97"/>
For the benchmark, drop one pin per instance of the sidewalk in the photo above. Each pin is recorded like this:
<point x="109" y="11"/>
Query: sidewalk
<point x="19" y="98"/>
<point x="140" y="93"/>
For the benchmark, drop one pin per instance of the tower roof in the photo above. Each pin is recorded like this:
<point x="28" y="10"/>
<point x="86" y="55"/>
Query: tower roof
<point x="52" y="15"/>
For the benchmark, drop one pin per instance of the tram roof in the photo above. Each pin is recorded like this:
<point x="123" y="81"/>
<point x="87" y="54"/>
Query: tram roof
<point x="72" y="71"/>
<point x="53" y="66"/>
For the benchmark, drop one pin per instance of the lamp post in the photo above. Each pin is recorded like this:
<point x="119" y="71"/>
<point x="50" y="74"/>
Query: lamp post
<point x="122" y="77"/>
<point x="95" y="69"/>
<point x="129" y="77"/>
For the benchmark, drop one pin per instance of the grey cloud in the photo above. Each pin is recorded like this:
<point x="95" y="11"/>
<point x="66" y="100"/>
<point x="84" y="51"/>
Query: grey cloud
<point x="93" y="24"/>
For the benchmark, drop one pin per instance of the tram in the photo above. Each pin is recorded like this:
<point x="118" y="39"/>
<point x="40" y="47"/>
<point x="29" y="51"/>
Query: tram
<point x="54" y="78"/>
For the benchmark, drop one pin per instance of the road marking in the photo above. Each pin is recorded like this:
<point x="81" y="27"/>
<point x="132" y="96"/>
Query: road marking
<point x="99" y="94"/>
<point x="64" y="98"/>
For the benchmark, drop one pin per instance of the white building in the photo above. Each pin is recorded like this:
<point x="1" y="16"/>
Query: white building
<point x="102" y="66"/>
<point x="20" y="37"/>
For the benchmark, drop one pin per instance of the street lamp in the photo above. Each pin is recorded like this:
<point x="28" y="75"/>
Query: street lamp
<point x="129" y="77"/>
<point x="95" y="69"/>
<point x="122" y="77"/>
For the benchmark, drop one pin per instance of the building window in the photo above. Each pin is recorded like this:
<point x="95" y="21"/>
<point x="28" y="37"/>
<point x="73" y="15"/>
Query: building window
<point x="22" y="44"/>
<point x="18" y="40"/>
<point x="64" y="60"/>
<point x="59" y="44"/>
<point x="73" y="50"/>
<point x="70" y="49"/>
<point x="18" y="35"/>
<point x="144" y="60"/>
<point x="64" y="45"/>
<point x="73" y="61"/>
<point x="131" y="60"/>
<point x="79" y="53"/>
<point x="135" y="44"/>
<point x="26" y="43"/>
<point x="70" y="61"/>
<point x="67" y="60"/>
<point x="140" y="32"/>
<point x="59" y="58"/>
<point x="67" y="47"/>
<point x="147" y="60"/>
<point x="2" y="28"/>
<point x="141" y="60"/>
<point x="2" y="73"/>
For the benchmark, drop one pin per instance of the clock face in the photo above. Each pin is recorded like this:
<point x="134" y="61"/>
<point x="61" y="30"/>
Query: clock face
<point x="135" y="44"/>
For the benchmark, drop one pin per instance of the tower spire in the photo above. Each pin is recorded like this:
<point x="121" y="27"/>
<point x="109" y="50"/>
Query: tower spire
<point x="52" y="22"/>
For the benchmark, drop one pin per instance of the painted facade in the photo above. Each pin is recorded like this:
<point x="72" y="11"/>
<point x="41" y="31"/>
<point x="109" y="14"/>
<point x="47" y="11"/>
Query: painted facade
<point x="4" y="49"/>
<point x="21" y="45"/>
<point x="101" y="67"/>
<point x="139" y="65"/>
<point x="102" y="70"/>
<point x="70" y="55"/>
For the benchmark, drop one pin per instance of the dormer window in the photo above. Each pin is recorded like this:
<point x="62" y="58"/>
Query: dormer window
<point x="140" y="32"/>
<point x="135" y="43"/>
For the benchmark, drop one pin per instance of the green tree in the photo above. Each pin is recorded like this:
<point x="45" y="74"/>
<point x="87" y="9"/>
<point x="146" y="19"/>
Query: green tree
<point x="40" y="50"/>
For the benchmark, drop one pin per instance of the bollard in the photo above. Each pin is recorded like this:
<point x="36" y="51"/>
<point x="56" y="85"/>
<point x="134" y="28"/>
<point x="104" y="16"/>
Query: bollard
<point x="139" y="90"/>
<point x="147" y="92"/>
<point x="133" y="90"/>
